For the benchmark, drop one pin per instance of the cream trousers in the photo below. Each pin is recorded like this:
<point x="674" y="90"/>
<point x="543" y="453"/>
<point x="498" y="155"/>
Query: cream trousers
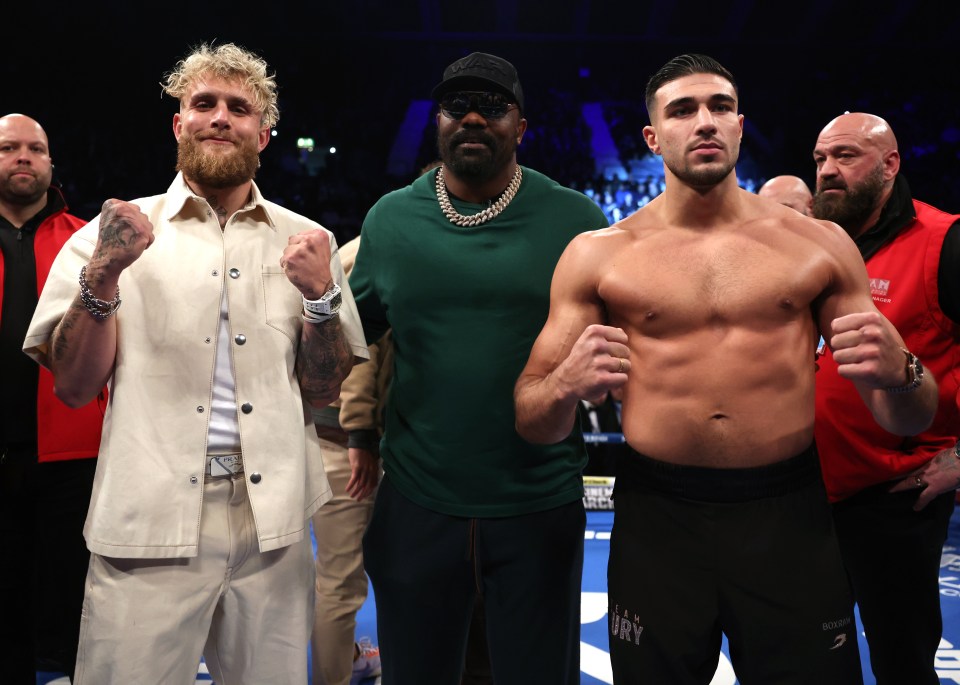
<point x="341" y="582"/>
<point x="147" y="621"/>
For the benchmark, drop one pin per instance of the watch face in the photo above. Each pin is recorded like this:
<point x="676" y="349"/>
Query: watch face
<point x="327" y="305"/>
<point x="331" y="300"/>
<point x="338" y="298"/>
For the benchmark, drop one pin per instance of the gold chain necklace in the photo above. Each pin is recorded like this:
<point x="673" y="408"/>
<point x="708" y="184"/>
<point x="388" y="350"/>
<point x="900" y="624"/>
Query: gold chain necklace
<point x="487" y="214"/>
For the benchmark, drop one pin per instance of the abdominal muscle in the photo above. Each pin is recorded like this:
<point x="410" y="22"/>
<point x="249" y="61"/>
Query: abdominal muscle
<point x="733" y="399"/>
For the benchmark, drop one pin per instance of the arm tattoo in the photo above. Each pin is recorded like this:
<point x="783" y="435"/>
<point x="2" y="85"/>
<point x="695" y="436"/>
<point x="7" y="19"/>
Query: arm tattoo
<point x="60" y="343"/>
<point x="323" y="360"/>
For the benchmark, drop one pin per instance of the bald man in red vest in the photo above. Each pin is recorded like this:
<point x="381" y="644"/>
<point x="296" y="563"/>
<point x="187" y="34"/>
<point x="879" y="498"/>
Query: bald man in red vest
<point x="892" y="496"/>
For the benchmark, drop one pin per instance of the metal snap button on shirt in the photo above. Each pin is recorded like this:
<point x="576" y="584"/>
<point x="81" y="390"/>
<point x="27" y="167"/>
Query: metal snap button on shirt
<point x="234" y="273"/>
<point x="240" y="339"/>
<point x="255" y="477"/>
<point x="246" y="407"/>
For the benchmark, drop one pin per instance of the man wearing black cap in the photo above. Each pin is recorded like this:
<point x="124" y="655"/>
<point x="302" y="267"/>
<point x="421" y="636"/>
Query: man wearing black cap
<point x="459" y="264"/>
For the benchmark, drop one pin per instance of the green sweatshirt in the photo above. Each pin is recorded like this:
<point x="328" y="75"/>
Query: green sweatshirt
<point x="465" y="306"/>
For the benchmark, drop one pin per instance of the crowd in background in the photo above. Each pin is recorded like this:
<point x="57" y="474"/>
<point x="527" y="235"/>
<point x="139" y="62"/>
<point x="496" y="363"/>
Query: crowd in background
<point x="337" y="188"/>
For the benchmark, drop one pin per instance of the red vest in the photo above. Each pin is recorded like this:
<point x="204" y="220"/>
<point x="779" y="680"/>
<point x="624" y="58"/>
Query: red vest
<point x="854" y="451"/>
<point x="63" y="433"/>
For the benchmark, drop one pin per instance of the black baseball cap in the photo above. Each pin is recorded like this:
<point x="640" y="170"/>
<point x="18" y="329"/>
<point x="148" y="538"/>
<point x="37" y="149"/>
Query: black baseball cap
<point x="481" y="71"/>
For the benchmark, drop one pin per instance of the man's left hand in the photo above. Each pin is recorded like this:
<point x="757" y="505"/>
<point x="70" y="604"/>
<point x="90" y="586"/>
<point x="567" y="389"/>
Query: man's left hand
<point x="937" y="476"/>
<point x="364" y="472"/>
<point x="867" y="349"/>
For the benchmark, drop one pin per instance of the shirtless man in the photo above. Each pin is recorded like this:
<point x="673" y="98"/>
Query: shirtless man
<point x="706" y="306"/>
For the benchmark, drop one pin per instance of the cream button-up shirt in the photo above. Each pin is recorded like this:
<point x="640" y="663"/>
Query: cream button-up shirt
<point x="148" y="488"/>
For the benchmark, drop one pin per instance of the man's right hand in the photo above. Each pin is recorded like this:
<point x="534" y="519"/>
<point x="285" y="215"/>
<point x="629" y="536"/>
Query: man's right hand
<point x="84" y="344"/>
<point x="598" y="362"/>
<point x="125" y="232"/>
<point x="364" y="472"/>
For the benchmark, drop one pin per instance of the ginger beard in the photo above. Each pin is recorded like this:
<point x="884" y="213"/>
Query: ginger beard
<point x="223" y="169"/>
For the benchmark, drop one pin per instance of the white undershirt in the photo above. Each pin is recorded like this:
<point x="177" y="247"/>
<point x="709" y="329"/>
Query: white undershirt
<point x="223" y="434"/>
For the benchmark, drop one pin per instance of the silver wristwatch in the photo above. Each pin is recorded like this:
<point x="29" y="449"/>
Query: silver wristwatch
<point x="914" y="374"/>
<point x="327" y="305"/>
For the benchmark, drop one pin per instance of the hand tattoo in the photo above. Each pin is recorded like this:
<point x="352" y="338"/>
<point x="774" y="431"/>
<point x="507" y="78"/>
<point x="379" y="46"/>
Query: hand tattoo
<point x="115" y="231"/>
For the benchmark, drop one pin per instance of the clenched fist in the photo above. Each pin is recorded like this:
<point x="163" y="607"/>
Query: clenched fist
<point x="125" y="232"/>
<point x="868" y="349"/>
<point x="306" y="262"/>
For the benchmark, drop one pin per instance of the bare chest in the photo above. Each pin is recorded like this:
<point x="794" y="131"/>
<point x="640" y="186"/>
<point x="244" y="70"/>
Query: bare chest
<point x="726" y="282"/>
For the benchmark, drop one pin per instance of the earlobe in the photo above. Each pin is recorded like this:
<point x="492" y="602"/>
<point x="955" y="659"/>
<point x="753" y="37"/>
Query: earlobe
<point x="650" y="137"/>
<point x="892" y="165"/>
<point x="521" y="129"/>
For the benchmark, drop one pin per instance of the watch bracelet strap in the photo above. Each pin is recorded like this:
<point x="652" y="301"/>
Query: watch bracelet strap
<point x="312" y="317"/>
<point x="916" y="380"/>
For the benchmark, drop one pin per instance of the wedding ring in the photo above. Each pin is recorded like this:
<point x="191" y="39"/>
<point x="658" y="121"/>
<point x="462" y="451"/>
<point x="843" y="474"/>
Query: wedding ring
<point x="919" y="481"/>
<point x="620" y="370"/>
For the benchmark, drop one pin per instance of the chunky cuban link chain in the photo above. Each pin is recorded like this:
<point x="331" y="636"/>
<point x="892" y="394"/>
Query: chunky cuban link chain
<point x="484" y="216"/>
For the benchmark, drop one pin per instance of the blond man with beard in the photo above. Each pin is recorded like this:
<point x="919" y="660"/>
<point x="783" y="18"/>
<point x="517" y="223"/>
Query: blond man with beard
<point x="237" y="320"/>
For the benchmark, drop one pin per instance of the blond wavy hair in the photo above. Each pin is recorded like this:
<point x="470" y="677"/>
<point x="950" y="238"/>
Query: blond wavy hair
<point x="232" y="63"/>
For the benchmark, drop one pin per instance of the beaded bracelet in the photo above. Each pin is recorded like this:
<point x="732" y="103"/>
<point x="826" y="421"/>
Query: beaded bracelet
<point x="100" y="309"/>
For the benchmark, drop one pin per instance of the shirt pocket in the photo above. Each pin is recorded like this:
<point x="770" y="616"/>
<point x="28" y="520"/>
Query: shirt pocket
<point x="282" y="302"/>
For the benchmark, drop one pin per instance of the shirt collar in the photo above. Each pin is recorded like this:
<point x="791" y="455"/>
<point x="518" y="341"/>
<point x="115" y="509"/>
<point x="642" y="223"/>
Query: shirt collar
<point x="179" y="194"/>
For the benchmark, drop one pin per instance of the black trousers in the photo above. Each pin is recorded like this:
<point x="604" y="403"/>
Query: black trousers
<point x="751" y="553"/>
<point x="892" y="555"/>
<point x="62" y="498"/>
<point x="476" y="666"/>
<point x="42" y="572"/>
<point x="17" y="661"/>
<point x="426" y="569"/>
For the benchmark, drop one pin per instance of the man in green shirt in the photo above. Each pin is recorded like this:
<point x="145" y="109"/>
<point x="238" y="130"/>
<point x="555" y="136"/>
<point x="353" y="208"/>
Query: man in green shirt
<point x="459" y="265"/>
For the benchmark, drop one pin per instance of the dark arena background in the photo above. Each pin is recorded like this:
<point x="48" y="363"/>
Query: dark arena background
<point x="356" y="118"/>
<point x="355" y="77"/>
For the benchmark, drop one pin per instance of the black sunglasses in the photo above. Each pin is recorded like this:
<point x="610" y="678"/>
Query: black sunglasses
<point x="489" y="105"/>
